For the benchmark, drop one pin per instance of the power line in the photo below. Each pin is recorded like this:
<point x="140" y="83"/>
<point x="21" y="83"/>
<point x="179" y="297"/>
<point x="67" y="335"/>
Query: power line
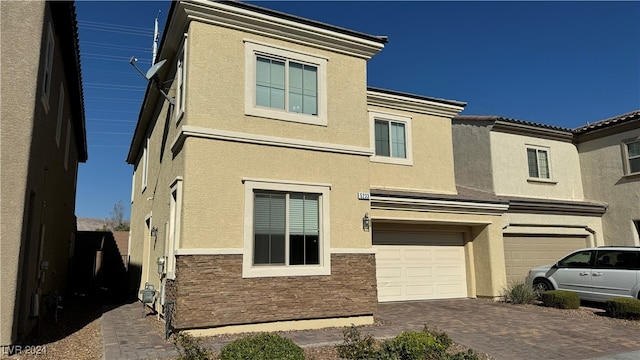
<point x="115" y="29"/>
<point x="111" y="120"/>
<point x="107" y="99"/>
<point x="93" y="44"/>
<point x="116" y="85"/>
<point x="106" y="133"/>
<point x="96" y="23"/>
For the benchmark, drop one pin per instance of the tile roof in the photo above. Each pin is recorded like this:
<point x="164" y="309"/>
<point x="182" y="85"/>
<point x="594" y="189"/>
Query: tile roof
<point x="509" y="120"/>
<point x="419" y="97"/>
<point x="633" y="115"/>
<point x="282" y="15"/>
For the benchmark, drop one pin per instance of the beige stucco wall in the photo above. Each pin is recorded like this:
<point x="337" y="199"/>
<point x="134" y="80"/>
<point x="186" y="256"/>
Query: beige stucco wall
<point x="589" y="227"/>
<point x="214" y="193"/>
<point x="484" y="250"/>
<point x="510" y="168"/>
<point x="601" y="162"/>
<point x="216" y="89"/>
<point x="153" y="200"/>
<point x="432" y="151"/>
<point x="32" y="163"/>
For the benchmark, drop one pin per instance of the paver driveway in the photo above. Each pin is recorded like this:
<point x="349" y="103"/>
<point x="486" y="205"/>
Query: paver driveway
<point x="503" y="331"/>
<point x="514" y="332"/>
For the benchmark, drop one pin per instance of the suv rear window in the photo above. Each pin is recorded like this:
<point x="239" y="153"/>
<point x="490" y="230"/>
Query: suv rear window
<point x="618" y="259"/>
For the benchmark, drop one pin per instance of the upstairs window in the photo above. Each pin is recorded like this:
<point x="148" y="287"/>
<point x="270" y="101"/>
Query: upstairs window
<point x="538" y="160"/>
<point x="633" y="157"/>
<point x="60" y="114"/>
<point x="285" y="84"/>
<point x="181" y="78"/>
<point x="391" y="138"/>
<point x="48" y="68"/>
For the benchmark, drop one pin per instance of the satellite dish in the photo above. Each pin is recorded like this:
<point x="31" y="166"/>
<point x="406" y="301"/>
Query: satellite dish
<point x="154" y="69"/>
<point x="150" y="76"/>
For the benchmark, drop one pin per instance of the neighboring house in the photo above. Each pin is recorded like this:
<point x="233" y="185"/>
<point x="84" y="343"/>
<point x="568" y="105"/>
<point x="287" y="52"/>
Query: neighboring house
<point x="43" y="139"/>
<point x="536" y="168"/>
<point x="281" y="192"/>
<point x="610" y="163"/>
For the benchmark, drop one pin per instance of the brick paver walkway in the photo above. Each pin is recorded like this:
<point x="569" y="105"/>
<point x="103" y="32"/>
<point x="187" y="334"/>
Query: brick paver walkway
<point x="500" y="330"/>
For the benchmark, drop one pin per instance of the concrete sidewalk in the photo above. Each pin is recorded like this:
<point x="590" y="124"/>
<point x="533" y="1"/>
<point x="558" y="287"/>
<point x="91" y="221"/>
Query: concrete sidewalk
<point x="503" y="331"/>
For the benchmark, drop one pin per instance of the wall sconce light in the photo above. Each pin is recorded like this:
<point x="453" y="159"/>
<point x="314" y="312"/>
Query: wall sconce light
<point x="154" y="231"/>
<point x="366" y="222"/>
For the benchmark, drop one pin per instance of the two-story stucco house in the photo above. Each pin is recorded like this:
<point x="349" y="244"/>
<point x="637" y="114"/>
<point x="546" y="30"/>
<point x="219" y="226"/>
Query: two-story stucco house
<point x="609" y="153"/>
<point x="536" y="168"/>
<point x="281" y="192"/>
<point x="43" y="140"/>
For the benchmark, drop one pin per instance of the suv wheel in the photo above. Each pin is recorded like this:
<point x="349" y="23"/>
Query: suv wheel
<point x="541" y="285"/>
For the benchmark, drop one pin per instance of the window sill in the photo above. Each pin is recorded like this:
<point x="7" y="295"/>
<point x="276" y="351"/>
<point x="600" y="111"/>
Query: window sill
<point x="542" y="181"/>
<point x="179" y="117"/>
<point x="632" y="176"/>
<point x="45" y="103"/>
<point x="282" y="271"/>
<point x="286" y="116"/>
<point x="392" y="160"/>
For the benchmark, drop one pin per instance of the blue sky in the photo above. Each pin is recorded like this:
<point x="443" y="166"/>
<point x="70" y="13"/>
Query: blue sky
<point x="558" y="63"/>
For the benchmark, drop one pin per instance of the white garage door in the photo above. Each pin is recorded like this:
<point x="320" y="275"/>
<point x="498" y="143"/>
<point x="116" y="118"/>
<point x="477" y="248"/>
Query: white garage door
<point x="419" y="266"/>
<point x="521" y="253"/>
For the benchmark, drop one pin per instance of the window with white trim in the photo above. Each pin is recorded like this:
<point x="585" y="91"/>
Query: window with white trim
<point x="174" y="226"/>
<point x="391" y="138"/>
<point x="48" y="68"/>
<point x="181" y="77"/>
<point x="67" y="145"/>
<point x="286" y="229"/>
<point x="538" y="160"/>
<point x="60" y="114"/>
<point x="632" y="152"/>
<point x="285" y="84"/>
<point x="145" y="163"/>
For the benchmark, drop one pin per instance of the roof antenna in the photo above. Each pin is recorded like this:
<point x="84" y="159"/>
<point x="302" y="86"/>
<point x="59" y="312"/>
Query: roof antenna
<point x="155" y="67"/>
<point x="155" y="39"/>
<point x="152" y="76"/>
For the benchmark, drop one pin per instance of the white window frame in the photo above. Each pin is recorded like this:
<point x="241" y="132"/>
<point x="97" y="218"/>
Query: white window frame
<point x="145" y="164"/>
<point x="181" y="80"/>
<point x="254" y="49"/>
<point x="251" y="271"/>
<point x="60" y="114"/>
<point x="626" y="156"/>
<point x="48" y="68"/>
<point x="539" y="148"/>
<point x="392" y="118"/>
<point x="175" y="211"/>
<point x="133" y="185"/>
<point x="67" y="145"/>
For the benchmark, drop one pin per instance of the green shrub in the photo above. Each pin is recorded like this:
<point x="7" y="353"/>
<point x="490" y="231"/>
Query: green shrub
<point x="560" y="299"/>
<point x="441" y="336"/>
<point x="520" y="292"/>
<point x="623" y="308"/>
<point x="468" y="355"/>
<point x="411" y="345"/>
<point x="190" y="348"/>
<point x="357" y="347"/>
<point x="264" y="346"/>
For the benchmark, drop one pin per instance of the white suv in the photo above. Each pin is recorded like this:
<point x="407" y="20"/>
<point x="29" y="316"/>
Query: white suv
<point x="595" y="274"/>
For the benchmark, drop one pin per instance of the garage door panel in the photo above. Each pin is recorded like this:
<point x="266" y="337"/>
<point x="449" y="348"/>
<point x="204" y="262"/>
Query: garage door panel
<point x="419" y="266"/>
<point x="390" y="272"/>
<point x="525" y="252"/>
<point x="419" y="271"/>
